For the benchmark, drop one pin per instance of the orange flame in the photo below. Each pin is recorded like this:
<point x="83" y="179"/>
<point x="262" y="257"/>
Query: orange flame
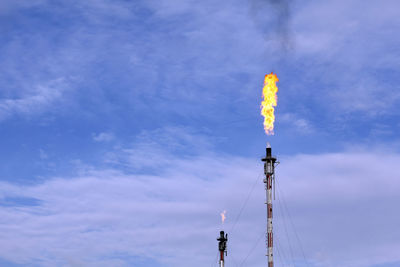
<point x="223" y="217"/>
<point x="269" y="103"/>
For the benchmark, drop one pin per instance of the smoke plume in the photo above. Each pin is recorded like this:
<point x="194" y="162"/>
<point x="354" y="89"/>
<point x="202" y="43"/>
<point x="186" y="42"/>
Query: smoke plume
<point x="273" y="17"/>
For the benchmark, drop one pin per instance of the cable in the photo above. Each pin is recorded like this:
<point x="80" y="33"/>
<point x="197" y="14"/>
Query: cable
<point x="238" y="217"/>
<point x="252" y="249"/>
<point x="285" y="228"/>
<point x="283" y="252"/>
<point x="294" y="228"/>
<point x="279" y="253"/>
<point x="234" y="260"/>
<point x="244" y="205"/>
<point x="241" y="211"/>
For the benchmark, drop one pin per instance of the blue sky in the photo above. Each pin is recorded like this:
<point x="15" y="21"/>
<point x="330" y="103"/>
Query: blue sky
<point x="128" y="126"/>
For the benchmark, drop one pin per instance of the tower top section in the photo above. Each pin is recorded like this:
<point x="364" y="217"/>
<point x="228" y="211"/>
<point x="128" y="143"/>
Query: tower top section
<point x="223" y="238"/>
<point x="268" y="156"/>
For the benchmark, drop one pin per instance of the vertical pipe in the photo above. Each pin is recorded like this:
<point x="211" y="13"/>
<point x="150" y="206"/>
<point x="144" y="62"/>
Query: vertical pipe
<point x="269" y="221"/>
<point x="222" y="247"/>
<point x="269" y="171"/>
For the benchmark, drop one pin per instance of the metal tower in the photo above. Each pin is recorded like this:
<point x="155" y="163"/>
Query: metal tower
<point x="269" y="171"/>
<point x="223" y="238"/>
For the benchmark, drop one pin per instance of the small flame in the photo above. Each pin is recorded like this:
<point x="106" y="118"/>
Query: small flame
<point x="223" y="217"/>
<point x="269" y="103"/>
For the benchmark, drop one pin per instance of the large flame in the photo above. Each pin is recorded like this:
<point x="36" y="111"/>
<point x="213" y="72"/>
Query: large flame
<point x="269" y="103"/>
<point x="223" y="217"/>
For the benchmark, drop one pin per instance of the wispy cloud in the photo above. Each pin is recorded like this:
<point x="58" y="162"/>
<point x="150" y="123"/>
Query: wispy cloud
<point x="159" y="149"/>
<point x="34" y="101"/>
<point x="158" y="198"/>
<point x="103" y="137"/>
<point x="300" y="125"/>
<point x="121" y="217"/>
<point x="338" y="51"/>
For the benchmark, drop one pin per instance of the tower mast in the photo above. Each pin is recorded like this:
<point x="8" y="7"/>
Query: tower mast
<point x="269" y="171"/>
<point x="223" y="238"/>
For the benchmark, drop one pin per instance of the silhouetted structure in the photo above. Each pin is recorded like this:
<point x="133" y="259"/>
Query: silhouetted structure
<point x="223" y="238"/>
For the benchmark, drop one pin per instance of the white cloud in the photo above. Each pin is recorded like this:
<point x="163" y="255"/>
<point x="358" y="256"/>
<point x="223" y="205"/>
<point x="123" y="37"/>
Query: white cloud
<point x="345" y="198"/>
<point x="107" y="213"/>
<point x="350" y="52"/>
<point x="103" y="137"/>
<point x="300" y="125"/>
<point x="200" y="54"/>
<point x="33" y="101"/>
<point x="173" y="216"/>
<point x="154" y="149"/>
